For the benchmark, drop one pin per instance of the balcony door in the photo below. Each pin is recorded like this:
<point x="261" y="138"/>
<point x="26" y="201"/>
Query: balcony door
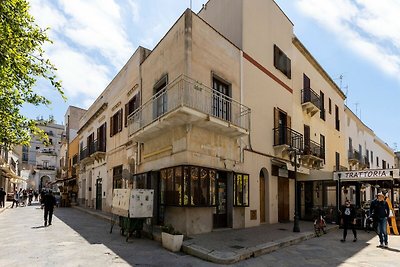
<point x="160" y="97"/>
<point x="282" y="122"/>
<point x="221" y="104"/>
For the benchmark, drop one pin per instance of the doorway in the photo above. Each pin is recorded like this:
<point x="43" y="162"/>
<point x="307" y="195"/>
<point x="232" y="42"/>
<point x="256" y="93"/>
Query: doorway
<point x="220" y="211"/>
<point x="262" y="197"/>
<point x="283" y="199"/>
<point x="99" y="194"/>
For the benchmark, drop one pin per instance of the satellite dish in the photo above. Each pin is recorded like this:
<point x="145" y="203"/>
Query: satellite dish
<point x="125" y="174"/>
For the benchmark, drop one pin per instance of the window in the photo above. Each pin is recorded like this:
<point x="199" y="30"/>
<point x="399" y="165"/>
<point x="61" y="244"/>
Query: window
<point x="116" y="123"/>
<point x="139" y="181"/>
<point x="241" y="190"/>
<point x="117" y="177"/>
<point x="187" y="186"/>
<point x="221" y="100"/>
<point x="337" y="121"/>
<point x="160" y="97"/>
<point x="330" y="106"/>
<point x="383" y="164"/>
<point x="322" y="108"/>
<point x="282" y="62"/>
<point x="377" y="161"/>
<point x="131" y="106"/>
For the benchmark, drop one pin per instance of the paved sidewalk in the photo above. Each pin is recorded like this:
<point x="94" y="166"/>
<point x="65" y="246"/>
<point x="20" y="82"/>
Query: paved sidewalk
<point x="234" y="245"/>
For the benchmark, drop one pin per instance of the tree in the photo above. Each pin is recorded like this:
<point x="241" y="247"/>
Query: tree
<point x="22" y="64"/>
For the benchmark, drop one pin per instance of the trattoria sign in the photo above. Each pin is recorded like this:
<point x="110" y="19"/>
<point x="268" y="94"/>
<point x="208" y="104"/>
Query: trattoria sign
<point x="382" y="174"/>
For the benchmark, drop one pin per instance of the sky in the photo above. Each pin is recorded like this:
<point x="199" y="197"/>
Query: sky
<point x="356" y="41"/>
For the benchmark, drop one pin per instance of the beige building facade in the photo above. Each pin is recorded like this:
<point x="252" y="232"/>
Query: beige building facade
<point x="221" y="119"/>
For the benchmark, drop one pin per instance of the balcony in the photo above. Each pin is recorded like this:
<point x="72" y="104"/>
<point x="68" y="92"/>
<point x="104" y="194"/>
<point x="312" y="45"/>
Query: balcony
<point x="310" y="101"/>
<point x="184" y="102"/>
<point x="96" y="150"/>
<point x="313" y="155"/>
<point x="354" y="157"/>
<point x="285" y="139"/>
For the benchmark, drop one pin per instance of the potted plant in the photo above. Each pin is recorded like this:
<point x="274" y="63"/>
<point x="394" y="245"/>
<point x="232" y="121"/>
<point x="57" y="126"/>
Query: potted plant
<point x="171" y="239"/>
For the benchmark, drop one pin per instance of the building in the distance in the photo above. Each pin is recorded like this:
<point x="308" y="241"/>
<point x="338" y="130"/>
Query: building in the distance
<point x="41" y="162"/>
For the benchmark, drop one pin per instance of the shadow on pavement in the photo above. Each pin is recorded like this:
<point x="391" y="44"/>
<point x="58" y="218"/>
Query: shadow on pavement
<point x="38" y="227"/>
<point x="97" y="231"/>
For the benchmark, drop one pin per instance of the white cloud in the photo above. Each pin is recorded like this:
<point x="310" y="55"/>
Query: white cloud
<point x="98" y="25"/>
<point x="134" y="9"/>
<point x="81" y="76"/>
<point x="369" y="27"/>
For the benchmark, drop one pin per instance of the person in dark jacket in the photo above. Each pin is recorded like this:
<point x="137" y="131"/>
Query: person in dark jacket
<point x="348" y="220"/>
<point x="2" y="197"/>
<point x="372" y="214"/>
<point x="381" y="213"/>
<point x="49" y="201"/>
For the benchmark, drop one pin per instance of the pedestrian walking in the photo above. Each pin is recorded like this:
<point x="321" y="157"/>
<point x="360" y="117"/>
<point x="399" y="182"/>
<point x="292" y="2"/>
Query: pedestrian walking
<point x="2" y="197"/>
<point x="16" y="199"/>
<point x="372" y="214"/>
<point x="381" y="213"/>
<point x="36" y="194"/>
<point x="348" y="219"/>
<point x="49" y="201"/>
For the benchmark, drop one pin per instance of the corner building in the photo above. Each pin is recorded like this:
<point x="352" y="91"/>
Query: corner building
<point x="220" y="119"/>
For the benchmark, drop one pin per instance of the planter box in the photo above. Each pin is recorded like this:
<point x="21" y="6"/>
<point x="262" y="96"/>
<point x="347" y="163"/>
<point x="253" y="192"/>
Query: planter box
<point x="171" y="242"/>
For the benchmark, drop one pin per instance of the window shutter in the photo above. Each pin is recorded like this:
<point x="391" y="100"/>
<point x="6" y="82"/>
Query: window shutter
<point x="126" y="114"/>
<point x="111" y="126"/>
<point x="288" y="68"/>
<point x="276" y="118"/>
<point x="288" y="121"/>
<point x="120" y="120"/>
<point x="137" y="102"/>
<point x="276" y="56"/>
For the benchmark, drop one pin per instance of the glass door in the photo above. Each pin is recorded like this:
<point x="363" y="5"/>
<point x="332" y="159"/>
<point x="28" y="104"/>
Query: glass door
<point x="220" y="212"/>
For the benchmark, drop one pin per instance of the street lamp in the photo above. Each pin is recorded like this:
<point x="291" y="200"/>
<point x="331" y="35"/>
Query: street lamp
<point x="295" y="153"/>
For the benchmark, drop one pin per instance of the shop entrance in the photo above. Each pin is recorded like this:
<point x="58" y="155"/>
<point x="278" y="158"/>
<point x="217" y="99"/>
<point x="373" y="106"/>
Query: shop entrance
<point x="220" y="211"/>
<point x="283" y="199"/>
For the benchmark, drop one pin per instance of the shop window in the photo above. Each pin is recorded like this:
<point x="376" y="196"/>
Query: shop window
<point x="241" y="190"/>
<point x="187" y="186"/>
<point x="117" y="177"/>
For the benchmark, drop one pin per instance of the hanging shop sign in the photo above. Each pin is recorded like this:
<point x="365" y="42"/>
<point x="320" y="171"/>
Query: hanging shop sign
<point x="381" y="174"/>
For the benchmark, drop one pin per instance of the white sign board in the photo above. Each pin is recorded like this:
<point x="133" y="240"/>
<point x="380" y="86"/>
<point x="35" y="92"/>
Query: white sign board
<point x="365" y="175"/>
<point x="141" y="203"/>
<point x="120" y="202"/>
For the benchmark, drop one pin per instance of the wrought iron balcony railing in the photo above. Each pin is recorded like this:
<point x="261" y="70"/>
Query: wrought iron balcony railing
<point x="93" y="147"/>
<point x="289" y="137"/>
<point x="185" y="92"/>
<point x="308" y="95"/>
<point x="315" y="149"/>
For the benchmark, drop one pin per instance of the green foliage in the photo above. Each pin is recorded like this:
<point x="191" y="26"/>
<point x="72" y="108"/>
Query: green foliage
<point x="168" y="228"/>
<point x="22" y="63"/>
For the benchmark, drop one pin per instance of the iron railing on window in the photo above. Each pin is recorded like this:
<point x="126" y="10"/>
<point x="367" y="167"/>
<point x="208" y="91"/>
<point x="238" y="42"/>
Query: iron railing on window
<point x="185" y="92"/>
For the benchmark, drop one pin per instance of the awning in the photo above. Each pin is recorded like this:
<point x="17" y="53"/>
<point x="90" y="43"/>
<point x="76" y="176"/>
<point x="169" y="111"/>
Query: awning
<point x="367" y="175"/>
